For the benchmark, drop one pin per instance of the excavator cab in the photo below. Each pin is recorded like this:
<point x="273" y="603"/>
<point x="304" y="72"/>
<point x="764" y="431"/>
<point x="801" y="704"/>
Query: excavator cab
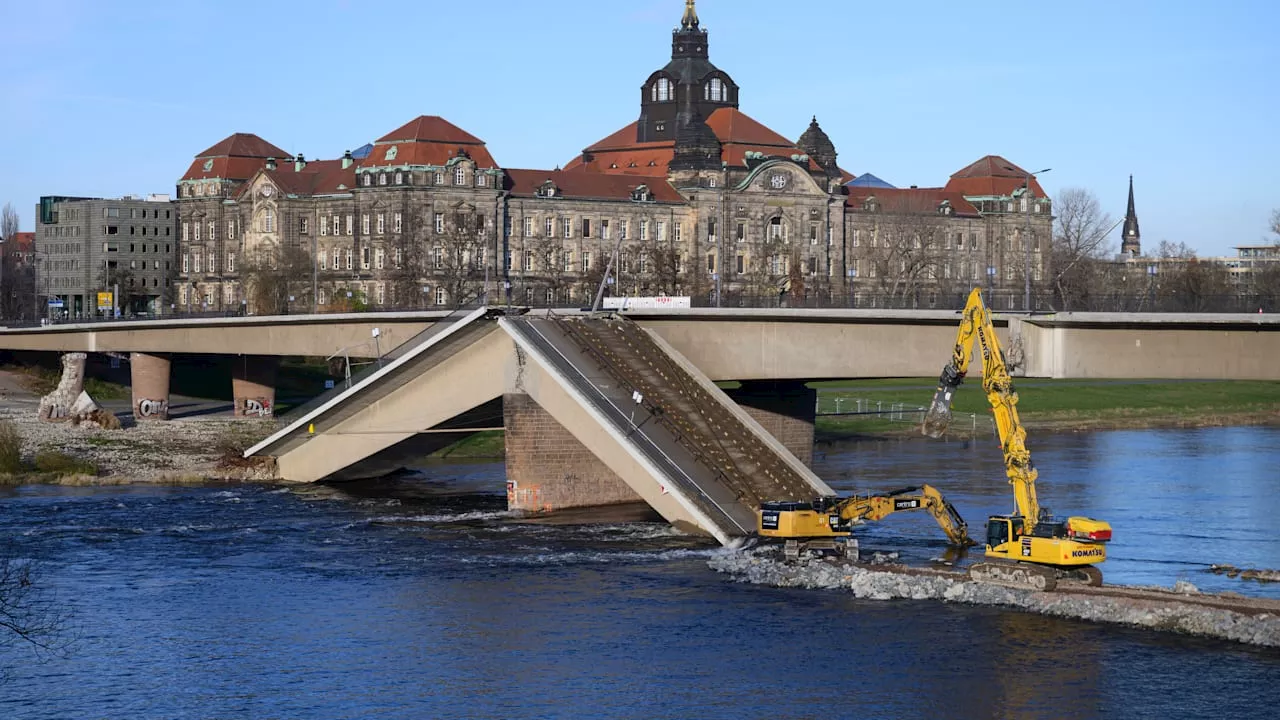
<point x="1002" y="529"/>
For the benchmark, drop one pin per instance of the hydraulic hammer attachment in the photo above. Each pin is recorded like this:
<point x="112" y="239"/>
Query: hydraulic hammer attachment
<point x="938" y="418"/>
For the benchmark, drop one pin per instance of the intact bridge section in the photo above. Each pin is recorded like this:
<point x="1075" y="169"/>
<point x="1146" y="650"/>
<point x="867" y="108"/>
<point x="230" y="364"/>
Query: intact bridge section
<point x="597" y="411"/>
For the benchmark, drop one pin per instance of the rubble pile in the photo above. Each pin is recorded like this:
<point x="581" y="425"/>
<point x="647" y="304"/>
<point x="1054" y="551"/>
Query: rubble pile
<point x="764" y="566"/>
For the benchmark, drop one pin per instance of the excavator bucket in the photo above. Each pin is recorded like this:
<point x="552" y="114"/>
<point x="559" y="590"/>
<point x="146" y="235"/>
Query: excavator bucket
<point x="938" y="418"/>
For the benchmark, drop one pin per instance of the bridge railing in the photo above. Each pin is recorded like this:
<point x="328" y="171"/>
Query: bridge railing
<point x="898" y="412"/>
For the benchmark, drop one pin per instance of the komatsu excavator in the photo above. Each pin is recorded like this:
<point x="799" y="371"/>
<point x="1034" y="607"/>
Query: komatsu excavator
<point x="825" y="524"/>
<point x="1030" y="548"/>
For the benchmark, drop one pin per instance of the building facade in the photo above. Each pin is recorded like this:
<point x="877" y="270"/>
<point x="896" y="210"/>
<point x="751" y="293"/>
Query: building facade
<point x="84" y="246"/>
<point x="693" y="198"/>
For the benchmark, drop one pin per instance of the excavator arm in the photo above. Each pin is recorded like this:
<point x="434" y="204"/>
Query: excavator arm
<point x="925" y="497"/>
<point x="976" y="327"/>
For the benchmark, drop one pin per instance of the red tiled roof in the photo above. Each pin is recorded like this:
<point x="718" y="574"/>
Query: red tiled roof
<point x="427" y="140"/>
<point x="244" y="145"/>
<point x="738" y="133"/>
<point x="227" y="168"/>
<point x="580" y="184"/>
<point x="910" y="200"/>
<point x="992" y="175"/>
<point x="418" y="152"/>
<point x="430" y="128"/>
<point x="23" y="241"/>
<point x="319" y="177"/>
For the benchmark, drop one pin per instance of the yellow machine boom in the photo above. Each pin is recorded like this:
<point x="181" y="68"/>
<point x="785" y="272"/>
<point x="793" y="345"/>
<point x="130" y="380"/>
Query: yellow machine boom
<point x="1029" y="535"/>
<point x="819" y="523"/>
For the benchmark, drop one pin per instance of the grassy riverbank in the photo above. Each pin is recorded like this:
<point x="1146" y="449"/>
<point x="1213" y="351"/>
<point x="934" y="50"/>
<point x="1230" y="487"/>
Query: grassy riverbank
<point x="890" y="407"/>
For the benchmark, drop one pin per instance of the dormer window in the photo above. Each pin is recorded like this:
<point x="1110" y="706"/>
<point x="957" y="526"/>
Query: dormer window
<point x="459" y="176"/>
<point x="715" y="91"/>
<point x="479" y="180"/>
<point x="944" y="207"/>
<point x="641" y="194"/>
<point x="366" y="180"/>
<point x="399" y="178"/>
<point x="439" y="180"/>
<point x="662" y="90"/>
<point x="382" y="178"/>
<point x="548" y="189"/>
<point x="870" y="204"/>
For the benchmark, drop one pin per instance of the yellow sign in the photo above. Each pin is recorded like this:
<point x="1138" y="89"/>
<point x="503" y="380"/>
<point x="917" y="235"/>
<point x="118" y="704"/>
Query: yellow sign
<point x="104" y="301"/>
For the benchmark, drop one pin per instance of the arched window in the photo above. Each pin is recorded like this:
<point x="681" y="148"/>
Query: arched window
<point x="662" y="91"/>
<point x="715" y="91"/>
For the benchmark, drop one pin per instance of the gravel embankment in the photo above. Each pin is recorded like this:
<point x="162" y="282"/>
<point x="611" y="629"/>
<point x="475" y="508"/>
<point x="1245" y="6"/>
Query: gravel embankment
<point x="185" y="450"/>
<point x="763" y="566"/>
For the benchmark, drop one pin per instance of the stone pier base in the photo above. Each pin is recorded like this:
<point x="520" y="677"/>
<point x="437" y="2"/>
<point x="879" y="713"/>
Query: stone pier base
<point x="150" y="380"/>
<point x="785" y="408"/>
<point x="548" y="469"/>
<point x="253" y="385"/>
<point x="56" y="406"/>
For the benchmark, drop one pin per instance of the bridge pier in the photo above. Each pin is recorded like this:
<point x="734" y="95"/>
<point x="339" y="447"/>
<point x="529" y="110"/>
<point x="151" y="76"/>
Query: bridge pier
<point x="548" y="468"/>
<point x="253" y="385"/>
<point x="149" y="376"/>
<point x="784" y="408"/>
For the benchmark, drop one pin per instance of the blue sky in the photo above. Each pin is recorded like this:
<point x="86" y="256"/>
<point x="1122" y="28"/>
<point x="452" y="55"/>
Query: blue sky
<point x="114" y="98"/>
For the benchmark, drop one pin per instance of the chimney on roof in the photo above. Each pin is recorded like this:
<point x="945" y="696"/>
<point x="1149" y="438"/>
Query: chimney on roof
<point x="271" y="163"/>
<point x="915" y="187"/>
<point x="346" y="160"/>
<point x="299" y="163"/>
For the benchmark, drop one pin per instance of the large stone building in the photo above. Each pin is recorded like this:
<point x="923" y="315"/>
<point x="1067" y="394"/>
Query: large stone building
<point x="695" y="198"/>
<point x="89" y="245"/>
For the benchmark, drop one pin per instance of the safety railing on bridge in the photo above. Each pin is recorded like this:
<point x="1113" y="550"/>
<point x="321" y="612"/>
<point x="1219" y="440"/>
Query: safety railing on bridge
<point x="898" y="412"/>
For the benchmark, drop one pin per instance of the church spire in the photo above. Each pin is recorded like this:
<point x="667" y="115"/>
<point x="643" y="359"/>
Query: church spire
<point x="1131" y="236"/>
<point x="690" y="19"/>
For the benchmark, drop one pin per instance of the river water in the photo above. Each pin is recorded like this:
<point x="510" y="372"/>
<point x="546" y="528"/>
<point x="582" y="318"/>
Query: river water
<point x="422" y="598"/>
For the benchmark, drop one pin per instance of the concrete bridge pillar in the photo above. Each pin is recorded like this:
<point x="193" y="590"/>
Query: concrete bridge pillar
<point x="253" y="385"/>
<point x="548" y="469"/>
<point x="150" y="380"/>
<point x="785" y="408"/>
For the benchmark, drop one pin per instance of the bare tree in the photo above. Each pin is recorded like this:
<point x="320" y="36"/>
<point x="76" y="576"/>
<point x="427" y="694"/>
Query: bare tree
<point x="1195" y="285"/>
<point x="17" y="274"/>
<point x="1078" y="248"/>
<point x="272" y="274"/>
<point x="907" y="252"/>
<point x="28" y="611"/>
<point x="1275" y="223"/>
<point x="1179" y="250"/>
<point x="459" y="258"/>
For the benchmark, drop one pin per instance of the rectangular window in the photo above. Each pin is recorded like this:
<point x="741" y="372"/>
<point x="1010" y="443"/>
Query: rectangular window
<point x="364" y="258"/>
<point x="380" y="290"/>
<point x="302" y="225"/>
<point x="382" y="223"/>
<point x="213" y="232"/>
<point x="379" y="258"/>
<point x="231" y="229"/>
<point x="604" y="229"/>
<point x="549" y="227"/>
<point x="350" y="225"/>
<point x="350" y="257"/>
<point x="676" y="232"/>
<point x="398" y="256"/>
<point x="528" y="227"/>
<point x="644" y="229"/>
<point x="528" y="260"/>
<point x="196" y="237"/>
<point x="711" y="262"/>
<point x="231" y="262"/>
<point x="323" y="259"/>
<point x="586" y="262"/>
<point x="568" y="261"/>
<point x="441" y="296"/>
<point x="182" y="294"/>
<point x="196" y="263"/>
<point x="741" y="233"/>
<point x="364" y="224"/>
<point x="480" y="180"/>
<point x="324" y="225"/>
<point x="586" y="228"/>
<point x="568" y="227"/>
<point x="741" y="264"/>
<point x="213" y="263"/>
<point x="399" y="223"/>
<point x="660" y="231"/>
<point x="622" y="229"/>
<point x="437" y="257"/>
<point x="813" y="234"/>
<point x="439" y="220"/>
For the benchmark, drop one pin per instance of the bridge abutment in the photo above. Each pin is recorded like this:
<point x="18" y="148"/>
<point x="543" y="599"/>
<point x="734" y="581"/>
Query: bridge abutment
<point x="253" y="385"/>
<point x="548" y="468"/>
<point x="785" y="409"/>
<point x="149" y="376"/>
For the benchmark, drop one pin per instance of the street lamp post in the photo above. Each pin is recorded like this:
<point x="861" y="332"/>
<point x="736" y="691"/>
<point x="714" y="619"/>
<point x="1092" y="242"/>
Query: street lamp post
<point x="1027" y="239"/>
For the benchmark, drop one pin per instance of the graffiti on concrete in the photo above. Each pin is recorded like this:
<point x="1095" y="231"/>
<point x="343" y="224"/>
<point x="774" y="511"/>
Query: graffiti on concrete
<point x="56" y="406"/>
<point x="152" y="409"/>
<point x="255" y="407"/>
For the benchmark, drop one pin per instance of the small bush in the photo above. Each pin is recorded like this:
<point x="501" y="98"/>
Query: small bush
<point x="52" y="461"/>
<point x="10" y="448"/>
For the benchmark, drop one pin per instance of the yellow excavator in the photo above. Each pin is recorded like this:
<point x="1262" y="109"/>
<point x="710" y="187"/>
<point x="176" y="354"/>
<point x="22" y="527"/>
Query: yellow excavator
<point x="1030" y="548"/>
<point x="825" y="524"/>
